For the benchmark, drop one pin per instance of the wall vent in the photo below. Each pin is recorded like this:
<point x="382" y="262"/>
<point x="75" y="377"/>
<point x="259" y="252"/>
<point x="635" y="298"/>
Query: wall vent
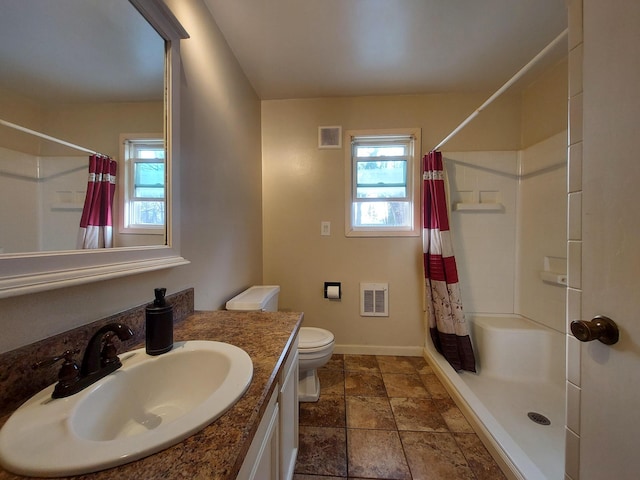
<point x="374" y="299"/>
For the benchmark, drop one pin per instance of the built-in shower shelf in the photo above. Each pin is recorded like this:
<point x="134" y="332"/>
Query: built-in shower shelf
<point x="555" y="278"/>
<point x="554" y="270"/>
<point x="479" y="207"/>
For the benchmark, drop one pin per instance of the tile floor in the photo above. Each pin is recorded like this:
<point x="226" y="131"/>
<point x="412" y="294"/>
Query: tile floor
<point x="387" y="417"/>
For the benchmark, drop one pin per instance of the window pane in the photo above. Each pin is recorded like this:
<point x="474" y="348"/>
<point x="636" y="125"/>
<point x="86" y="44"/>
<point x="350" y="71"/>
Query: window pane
<point x="381" y="150"/>
<point x="148" y="213"/>
<point x="382" y="214"/>
<point x="148" y="180"/>
<point x="148" y="152"/>
<point x="381" y="179"/>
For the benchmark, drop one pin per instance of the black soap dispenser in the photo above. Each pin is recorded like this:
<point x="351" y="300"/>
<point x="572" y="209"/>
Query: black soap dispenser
<point x="159" y="324"/>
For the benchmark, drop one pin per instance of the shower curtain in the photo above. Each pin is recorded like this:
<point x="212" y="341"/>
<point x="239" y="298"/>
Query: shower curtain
<point x="447" y="325"/>
<point x="96" y="225"/>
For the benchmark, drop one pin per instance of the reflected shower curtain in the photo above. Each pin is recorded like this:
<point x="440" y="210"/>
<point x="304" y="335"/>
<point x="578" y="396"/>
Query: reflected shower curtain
<point x="96" y="224"/>
<point x="447" y="325"/>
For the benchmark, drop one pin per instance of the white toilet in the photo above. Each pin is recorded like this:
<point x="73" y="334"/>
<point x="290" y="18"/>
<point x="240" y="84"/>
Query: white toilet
<point x="315" y="345"/>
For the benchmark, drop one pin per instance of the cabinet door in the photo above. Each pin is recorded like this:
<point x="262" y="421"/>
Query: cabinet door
<point x="263" y="458"/>
<point x="289" y="415"/>
<point x="267" y="466"/>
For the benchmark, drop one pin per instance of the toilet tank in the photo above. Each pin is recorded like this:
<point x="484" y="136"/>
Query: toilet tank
<point x="257" y="298"/>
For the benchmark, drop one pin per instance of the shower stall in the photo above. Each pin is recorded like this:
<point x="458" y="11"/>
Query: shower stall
<point x="508" y="226"/>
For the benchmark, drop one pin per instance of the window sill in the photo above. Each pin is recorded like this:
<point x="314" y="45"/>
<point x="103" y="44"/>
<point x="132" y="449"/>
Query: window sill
<point x="141" y="231"/>
<point x="359" y="233"/>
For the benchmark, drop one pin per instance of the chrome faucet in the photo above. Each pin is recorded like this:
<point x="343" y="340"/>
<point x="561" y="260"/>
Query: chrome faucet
<point x="100" y="359"/>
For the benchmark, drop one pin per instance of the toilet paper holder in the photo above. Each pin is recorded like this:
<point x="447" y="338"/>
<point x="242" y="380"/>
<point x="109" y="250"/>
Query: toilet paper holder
<point x="330" y="292"/>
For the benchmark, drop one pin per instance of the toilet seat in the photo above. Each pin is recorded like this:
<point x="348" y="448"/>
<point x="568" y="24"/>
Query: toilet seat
<point x="313" y="339"/>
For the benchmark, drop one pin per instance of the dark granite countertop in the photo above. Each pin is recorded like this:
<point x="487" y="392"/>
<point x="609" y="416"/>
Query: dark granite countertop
<point x="217" y="451"/>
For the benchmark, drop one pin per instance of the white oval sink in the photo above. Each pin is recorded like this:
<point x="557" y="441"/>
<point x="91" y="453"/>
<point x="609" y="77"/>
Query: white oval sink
<point x="149" y="404"/>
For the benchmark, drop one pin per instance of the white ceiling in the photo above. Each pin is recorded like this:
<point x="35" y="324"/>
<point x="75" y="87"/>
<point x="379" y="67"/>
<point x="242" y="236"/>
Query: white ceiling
<point x="79" y="50"/>
<point x="73" y="50"/>
<point x="315" y="48"/>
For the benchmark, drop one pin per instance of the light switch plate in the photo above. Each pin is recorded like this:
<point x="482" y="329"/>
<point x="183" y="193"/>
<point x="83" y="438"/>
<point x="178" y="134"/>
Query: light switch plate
<point x="325" y="229"/>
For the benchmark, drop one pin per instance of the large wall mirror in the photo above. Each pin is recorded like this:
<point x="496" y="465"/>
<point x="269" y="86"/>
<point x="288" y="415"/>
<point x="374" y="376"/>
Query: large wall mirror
<point x="82" y="76"/>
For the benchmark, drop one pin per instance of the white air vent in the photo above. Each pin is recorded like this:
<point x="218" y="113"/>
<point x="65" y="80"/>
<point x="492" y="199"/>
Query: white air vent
<point x="374" y="299"/>
<point x="330" y="137"/>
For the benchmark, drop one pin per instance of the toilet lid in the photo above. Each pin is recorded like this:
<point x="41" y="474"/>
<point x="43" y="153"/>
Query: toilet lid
<point x="312" y="337"/>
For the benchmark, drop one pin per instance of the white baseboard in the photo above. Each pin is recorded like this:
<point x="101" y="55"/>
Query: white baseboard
<point x="378" y="350"/>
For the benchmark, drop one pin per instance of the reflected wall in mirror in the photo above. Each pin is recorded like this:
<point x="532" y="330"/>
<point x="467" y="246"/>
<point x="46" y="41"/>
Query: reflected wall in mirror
<point x="88" y="72"/>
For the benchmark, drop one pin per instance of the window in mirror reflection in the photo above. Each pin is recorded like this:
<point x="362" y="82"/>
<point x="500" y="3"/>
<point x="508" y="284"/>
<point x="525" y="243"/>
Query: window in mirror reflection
<point x="144" y="199"/>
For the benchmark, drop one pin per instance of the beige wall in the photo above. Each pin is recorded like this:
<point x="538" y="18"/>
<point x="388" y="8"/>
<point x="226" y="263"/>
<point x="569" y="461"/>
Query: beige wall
<point x="544" y="105"/>
<point x="221" y="199"/>
<point x="23" y="111"/>
<point x="304" y="186"/>
<point x="96" y="126"/>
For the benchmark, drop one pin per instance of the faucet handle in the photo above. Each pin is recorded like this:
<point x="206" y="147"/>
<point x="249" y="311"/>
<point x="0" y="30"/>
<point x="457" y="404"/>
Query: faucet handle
<point x="47" y="362"/>
<point x="68" y="375"/>
<point x="109" y="354"/>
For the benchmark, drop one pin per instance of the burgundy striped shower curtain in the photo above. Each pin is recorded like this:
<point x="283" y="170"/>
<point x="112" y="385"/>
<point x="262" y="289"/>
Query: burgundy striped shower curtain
<point x="96" y="223"/>
<point x="447" y="325"/>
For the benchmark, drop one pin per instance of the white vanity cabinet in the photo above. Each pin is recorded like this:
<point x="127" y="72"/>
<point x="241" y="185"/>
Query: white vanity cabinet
<point x="273" y="452"/>
<point x="262" y="461"/>
<point x="288" y="401"/>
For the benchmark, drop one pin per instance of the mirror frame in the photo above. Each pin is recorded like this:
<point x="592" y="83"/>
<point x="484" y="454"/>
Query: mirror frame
<point x="35" y="272"/>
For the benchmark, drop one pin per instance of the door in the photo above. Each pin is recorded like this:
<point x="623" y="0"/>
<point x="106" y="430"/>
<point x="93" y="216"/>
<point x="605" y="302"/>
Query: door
<point x="610" y="375"/>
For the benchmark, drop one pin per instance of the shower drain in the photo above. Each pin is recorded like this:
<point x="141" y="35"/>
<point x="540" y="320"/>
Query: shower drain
<point x="538" y="418"/>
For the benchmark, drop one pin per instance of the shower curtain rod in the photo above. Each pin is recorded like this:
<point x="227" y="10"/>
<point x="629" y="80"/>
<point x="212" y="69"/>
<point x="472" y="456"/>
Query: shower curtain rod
<point x="48" y="137"/>
<point x="502" y="89"/>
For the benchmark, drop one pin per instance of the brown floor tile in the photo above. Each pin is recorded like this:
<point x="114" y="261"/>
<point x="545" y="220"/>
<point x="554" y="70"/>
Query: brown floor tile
<point x="376" y="454"/>
<point x="453" y="416"/>
<point x="383" y="422"/>
<point x="479" y="459"/>
<point x="370" y="412"/>
<point x="434" y="386"/>
<point x="322" y="451"/>
<point x="404" y="385"/>
<point x="328" y="411"/>
<point x="435" y="456"/>
<point x="331" y="382"/>
<point x="299" y="476"/>
<point x="421" y="365"/>
<point x="336" y="362"/>
<point x="391" y="364"/>
<point x="417" y="414"/>
<point x="364" y="384"/>
<point x="366" y="363"/>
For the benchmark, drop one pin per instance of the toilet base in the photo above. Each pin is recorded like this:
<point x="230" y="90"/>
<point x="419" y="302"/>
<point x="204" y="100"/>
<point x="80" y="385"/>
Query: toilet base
<point x="308" y="386"/>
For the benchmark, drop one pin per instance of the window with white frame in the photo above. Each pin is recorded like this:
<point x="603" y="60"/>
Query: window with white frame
<point x="382" y="186"/>
<point x="143" y="191"/>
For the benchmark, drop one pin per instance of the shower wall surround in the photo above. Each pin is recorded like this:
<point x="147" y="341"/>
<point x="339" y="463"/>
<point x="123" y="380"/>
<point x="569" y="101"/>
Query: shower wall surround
<point x="484" y="241"/>
<point x="520" y="219"/>
<point x="542" y="231"/>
